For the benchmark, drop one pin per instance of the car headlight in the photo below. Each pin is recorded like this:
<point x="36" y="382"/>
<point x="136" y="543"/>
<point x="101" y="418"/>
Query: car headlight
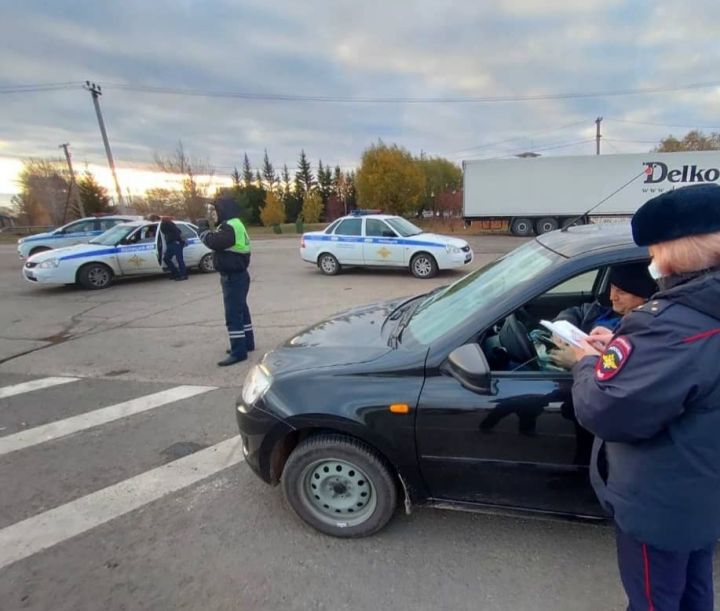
<point x="48" y="264"/>
<point x="256" y="384"/>
<point x="452" y="250"/>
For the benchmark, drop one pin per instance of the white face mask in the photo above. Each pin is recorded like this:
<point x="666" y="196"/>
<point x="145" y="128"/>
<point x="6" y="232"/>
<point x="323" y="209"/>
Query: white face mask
<point x="655" y="273"/>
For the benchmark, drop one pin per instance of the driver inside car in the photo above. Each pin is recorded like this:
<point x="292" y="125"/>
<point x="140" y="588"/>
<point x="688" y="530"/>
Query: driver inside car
<point x="630" y="287"/>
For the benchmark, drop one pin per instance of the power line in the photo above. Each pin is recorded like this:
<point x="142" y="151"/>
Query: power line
<point x="663" y="124"/>
<point x="548" y="148"/>
<point x="32" y="88"/>
<point x="282" y="97"/>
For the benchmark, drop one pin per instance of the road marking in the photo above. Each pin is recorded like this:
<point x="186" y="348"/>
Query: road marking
<point x="54" y="526"/>
<point x="62" y="428"/>
<point x="18" y="389"/>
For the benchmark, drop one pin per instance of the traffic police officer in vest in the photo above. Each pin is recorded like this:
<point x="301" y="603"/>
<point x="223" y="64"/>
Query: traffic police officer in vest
<point x="231" y="244"/>
<point x="652" y="398"/>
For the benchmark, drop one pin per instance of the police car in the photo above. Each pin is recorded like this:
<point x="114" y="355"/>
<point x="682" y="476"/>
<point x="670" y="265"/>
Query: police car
<point x="381" y="240"/>
<point x="77" y="232"/>
<point x="445" y="399"/>
<point x="126" y="249"/>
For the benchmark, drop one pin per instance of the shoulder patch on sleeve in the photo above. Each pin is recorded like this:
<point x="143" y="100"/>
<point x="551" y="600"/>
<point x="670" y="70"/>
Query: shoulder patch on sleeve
<point x="613" y="359"/>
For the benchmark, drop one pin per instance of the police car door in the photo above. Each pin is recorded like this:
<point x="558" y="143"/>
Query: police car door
<point x="381" y="245"/>
<point x="194" y="249"/>
<point x="79" y="233"/>
<point x="137" y="253"/>
<point x="347" y="241"/>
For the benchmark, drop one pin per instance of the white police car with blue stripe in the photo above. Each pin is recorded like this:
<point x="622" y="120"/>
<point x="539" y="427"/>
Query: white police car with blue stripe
<point x="77" y="232"/>
<point x="381" y="240"/>
<point x="126" y="249"/>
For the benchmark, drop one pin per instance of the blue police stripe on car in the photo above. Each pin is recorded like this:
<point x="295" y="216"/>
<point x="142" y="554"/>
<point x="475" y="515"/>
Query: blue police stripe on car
<point x="356" y="239"/>
<point x="77" y="234"/>
<point x="92" y="253"/>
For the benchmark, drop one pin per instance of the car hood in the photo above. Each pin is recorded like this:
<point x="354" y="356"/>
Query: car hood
<point x="59" y="253"/>
<point x="442" y="239"/>
<point x="353" y="336"/>
<point x="36" y="236"/>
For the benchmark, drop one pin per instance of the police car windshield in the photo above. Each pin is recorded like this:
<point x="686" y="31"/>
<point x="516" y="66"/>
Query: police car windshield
<point x="448" y="309"/>
<point x="112" y="236"/>
<point x="404" y="227"/>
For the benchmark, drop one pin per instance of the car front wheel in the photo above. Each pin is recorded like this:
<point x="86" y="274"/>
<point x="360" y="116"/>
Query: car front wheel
<point x="339" y="486"/>
<point x="423" y="266"/>
<point x="328" y="264"/>
<point x="94" y="276"/>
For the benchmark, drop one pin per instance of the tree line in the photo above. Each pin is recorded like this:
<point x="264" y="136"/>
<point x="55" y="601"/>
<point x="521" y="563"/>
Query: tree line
<point x="388" y="178"/>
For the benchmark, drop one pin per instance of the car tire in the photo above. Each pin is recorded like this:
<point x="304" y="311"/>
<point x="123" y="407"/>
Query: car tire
<point x="546" y="224"/>
<point x="207" y="264"/>
<point x="94" y="276"/>
<point x="328" y="264"/>
<point x="521" y="227"/>
<point x="423" y="265"/>
<point x="39" y="249"/>
<point x="339" y="486"/>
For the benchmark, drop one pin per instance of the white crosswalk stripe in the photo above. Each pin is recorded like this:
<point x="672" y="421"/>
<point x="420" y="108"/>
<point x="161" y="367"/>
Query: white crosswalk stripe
<point x="18" y="389"/>
<point x="49" y="528"/>
<point x="75" y="424"/>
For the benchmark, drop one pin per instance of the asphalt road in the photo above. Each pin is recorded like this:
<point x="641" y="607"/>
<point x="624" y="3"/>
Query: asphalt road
<point x="123" y="485"/>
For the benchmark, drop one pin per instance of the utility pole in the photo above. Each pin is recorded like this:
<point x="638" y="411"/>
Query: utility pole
<point x="597" y="135"/>
<point x="81" y="207"/>
<point x="96" y="92"/>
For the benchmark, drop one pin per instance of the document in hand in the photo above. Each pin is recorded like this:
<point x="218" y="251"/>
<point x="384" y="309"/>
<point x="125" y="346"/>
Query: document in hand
<point x="565" y="331"/>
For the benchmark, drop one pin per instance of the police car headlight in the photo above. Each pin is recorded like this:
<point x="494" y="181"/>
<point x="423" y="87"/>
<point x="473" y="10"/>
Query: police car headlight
<point x="256" y="384"/>
<point x="452" y="250"/>
<point x="49" y="264"/>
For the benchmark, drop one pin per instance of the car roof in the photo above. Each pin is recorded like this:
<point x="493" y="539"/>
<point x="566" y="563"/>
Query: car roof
<point x="369" y="216"/>
<point x="583" y="239"/>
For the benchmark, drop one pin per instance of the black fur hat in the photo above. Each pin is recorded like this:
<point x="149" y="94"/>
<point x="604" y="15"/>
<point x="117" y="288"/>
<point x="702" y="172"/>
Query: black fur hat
<point x="634" y="278"/>
<point x="676" y="214"/>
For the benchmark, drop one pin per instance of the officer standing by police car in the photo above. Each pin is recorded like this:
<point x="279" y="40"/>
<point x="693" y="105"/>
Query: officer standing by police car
<point x="231" y="244"/>
<point x="652" y="398"/>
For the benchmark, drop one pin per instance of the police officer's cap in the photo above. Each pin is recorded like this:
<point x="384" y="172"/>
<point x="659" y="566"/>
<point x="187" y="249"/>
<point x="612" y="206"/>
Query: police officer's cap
<point x="676" y="214"/>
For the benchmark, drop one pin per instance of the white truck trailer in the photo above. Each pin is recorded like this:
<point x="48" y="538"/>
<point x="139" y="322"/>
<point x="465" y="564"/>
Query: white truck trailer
<point x="541" y="194"/>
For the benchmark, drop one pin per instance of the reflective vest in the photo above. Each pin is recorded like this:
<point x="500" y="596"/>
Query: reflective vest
<point x="242" y="240"/>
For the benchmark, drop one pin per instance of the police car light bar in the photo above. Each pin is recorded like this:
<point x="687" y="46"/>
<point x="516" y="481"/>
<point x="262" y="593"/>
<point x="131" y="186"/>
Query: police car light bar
<point x="362" y="212"/>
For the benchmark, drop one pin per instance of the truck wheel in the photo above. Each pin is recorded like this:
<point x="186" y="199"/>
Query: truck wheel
<point x="328" y="264"/>
<point x="521" y="227"/>
<point x="423" y="265"/>
<point x="340" y="486"/>
<point x="94" y="276"/>
<point x="548" y="223"/>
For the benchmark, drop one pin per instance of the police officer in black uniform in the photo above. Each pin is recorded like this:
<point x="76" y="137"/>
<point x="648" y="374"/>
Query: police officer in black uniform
<point x="231" y="244"/>
<point x="652" y="398"/>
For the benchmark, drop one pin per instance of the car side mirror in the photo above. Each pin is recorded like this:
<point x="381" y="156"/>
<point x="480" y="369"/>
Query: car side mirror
<point x="468" y="365"/>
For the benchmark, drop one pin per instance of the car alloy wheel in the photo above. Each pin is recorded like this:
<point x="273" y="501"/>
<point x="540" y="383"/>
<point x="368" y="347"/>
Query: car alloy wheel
<point x="207" y="264"/>
<point x="328" y="264"/>
<point x="423" y="266"/>
<point x="95" y="276"/>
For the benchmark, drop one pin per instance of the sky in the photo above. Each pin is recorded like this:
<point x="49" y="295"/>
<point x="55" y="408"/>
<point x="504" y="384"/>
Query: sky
<point x="448" y="78"/>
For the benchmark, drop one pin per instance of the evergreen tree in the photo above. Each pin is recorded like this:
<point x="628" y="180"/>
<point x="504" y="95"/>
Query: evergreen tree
<point x="236" y="179"/>
<point x="304" y="179"/>
<point x="247" y="172"/>
<point x="93" y="196"/>
<point x="324" y="181"/>
<point x="258" y="179"/>
<point x="269" y="174"/>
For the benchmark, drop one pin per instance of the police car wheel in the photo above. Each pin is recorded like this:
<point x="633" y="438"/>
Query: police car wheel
<point x="339" y="486"/>
<point x="94" y="276"/>
<point x="207" y="265"/>
<point x="35" y="251"/>
<point x="328" y="264"/>
<point x="423" y="266"/>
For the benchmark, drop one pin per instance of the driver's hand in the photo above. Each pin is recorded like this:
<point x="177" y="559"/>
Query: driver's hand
<point x="564" y="356"/>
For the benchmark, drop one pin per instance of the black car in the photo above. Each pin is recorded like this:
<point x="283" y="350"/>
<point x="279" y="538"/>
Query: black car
<point x="445" y="399"/>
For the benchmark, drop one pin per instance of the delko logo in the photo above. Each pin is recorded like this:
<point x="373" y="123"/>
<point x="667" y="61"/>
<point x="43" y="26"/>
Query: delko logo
<point x="657" y="171"/>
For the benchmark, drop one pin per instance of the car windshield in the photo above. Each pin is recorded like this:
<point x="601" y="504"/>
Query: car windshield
<point x="404" y="227"/>
<point x="450" y="308"/>
<point x="112" y="236"/>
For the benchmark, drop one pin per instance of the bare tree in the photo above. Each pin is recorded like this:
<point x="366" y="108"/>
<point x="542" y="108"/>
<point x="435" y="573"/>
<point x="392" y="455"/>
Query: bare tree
<point x="43" y="196"/>
<point x="196" y="176"/>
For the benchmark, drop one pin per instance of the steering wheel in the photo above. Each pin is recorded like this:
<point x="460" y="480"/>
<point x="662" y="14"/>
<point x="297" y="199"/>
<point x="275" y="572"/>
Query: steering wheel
<point x="515" y="339"/>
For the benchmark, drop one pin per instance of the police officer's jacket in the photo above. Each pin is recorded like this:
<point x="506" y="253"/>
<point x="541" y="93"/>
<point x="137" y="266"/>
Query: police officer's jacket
<point x="653" y="397"/>
<point x="230" y="240"/>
